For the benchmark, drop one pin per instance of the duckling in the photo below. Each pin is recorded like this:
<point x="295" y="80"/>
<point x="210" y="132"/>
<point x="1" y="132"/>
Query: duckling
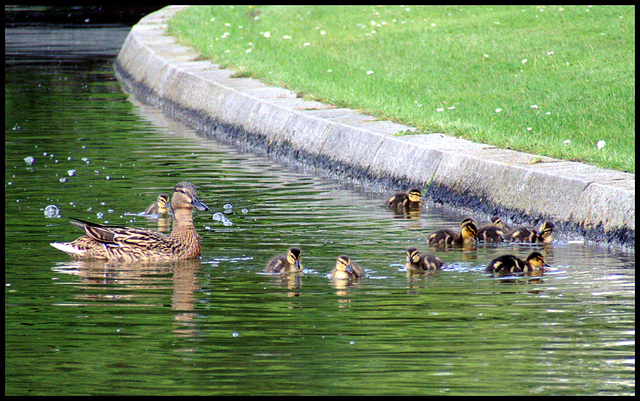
<point x="346" y="269"/>
<point x="401" y="200"/>
<point x="141" y="244"/>
<point x="493" y="232"/>
<point x="417" y="263"/>
<point x="468" y="231"/>
<point x="161" y="206"/>
<point x="545" y="232"/>
<point x="288" y="263"/>
<point x="529" y="234"/>
<point x="513" y="264"/>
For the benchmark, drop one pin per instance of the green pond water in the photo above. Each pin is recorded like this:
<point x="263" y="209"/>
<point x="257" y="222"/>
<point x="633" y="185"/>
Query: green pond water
<point x="220" y="326"/>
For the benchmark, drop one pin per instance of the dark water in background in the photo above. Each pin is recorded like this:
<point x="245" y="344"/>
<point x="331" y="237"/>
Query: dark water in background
<point x="220" y="326"/>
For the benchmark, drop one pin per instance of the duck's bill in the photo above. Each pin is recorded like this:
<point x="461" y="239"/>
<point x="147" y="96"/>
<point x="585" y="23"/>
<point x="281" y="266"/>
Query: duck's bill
<point x="197" y="203"/>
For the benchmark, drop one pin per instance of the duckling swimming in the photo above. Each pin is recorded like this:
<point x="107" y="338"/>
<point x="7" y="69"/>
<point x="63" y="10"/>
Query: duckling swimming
<point x="513" y="264"/>
<point x="346" y="269"/>
<point x="417" y="263"/>
<point x="528" y="234"/>
<point x="141" y="244"/>
<point x="161" y="206"/>
<point x="545" y="232"/>
<point x="468" y="231"/>
<point x="494" y="232"/>
<point x="403" y="201"/>
<point x="288" y="263"/>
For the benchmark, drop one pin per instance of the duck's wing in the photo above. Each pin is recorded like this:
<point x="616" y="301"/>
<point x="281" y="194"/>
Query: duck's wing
<point x="120" y="236"/>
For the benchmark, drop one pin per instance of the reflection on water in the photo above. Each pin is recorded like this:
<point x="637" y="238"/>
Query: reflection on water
<point x="79" y="327"/>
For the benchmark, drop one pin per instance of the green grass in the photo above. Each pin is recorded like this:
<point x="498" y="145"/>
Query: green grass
<point x="447" y="69"/>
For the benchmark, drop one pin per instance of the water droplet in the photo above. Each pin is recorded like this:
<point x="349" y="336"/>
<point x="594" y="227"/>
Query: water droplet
<point x="235" y="334"/>
<point x="51" y="212"/>
<point x="29" y="160"/>
<point x="228" y="206"/>
<point x="71" y="172"/>
<point x="245" y="211"/>
<point x="100" y="215"/>
<point x="63" y="179"/>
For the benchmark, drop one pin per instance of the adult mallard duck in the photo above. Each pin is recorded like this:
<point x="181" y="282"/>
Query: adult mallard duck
<point x="494" y="232"/>
<point x="141" y="244"/>
<point x="288" y="263"/>
<point x="346" y="269"/>
<point x="528" y="234"/>
<point x="403" y="201"/>
<point x="417" y="263"/>
<point x="512" y="264"/>
<point x="467" y="235"/>
<point x="161" y="206"/>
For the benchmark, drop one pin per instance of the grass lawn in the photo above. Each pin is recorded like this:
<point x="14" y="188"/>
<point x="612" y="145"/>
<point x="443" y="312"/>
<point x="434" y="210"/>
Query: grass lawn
<point x="556" y="81"/>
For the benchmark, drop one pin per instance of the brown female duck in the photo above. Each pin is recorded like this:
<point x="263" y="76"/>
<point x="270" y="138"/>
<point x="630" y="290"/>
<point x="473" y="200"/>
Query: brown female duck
<point x="417" y="263"/>
<point x="161" y="206"/>
<point x="288" y="263"/>
<point x="467" y="235"/>
<point x="346" y="269"/>
<point x="506" y="264"/>
<point x="141" y="244"/>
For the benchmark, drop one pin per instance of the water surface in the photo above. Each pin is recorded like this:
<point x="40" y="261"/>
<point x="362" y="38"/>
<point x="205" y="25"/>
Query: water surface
<point x="219" y="325"/>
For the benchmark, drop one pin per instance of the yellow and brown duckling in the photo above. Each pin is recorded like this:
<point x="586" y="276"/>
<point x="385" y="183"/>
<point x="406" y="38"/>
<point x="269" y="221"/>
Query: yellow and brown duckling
<point x="494" y="232"/>
<point x="527" y="234"/>
<point x="417" y="263"/>
<point x="161" y="206"/>
<point x="507" y="264"/>
<point x="289" y="263"/>
<point x="467" y="235"/>
<point x="141" y="244"/>
<point x="403" y="201"/>
<point x="346" y="269"/>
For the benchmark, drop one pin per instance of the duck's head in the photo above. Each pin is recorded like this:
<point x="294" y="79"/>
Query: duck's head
<point x="163" y="201"/>
<point x="546" y="231"/>
<point x="293" y="257"/>
<point x="536" y="261"/>
<point x="412" y="255"/>
<point x="468" y="228"/>
<point x="415" y="195"/>
<point x="496" y="221"/>
<point x="344" y="264"/>
<point x="184" y="197"/>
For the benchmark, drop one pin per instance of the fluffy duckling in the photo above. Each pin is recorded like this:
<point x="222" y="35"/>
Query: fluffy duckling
<point x="527" y="234"/>
<point x="417" y="263"/>
<point x="468" y="232"/>
<point x="494" y="232"/>
<point x="401" y="200"/>
<point x="288" y="263"/>
<point x="140" y="244"/>
<point x="545" y="232"/>
<point x="161" y="206"/>
<point x="346" y="269"/>
<point x="513" y="264"/>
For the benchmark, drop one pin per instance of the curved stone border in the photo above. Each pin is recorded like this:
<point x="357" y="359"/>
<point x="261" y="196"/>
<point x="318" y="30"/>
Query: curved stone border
<point x="596" y="203"/>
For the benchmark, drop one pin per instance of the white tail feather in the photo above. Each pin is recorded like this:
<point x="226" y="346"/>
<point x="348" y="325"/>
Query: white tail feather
<point x="67" y="247"/>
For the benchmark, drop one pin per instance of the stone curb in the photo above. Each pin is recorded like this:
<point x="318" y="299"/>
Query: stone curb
<point x="596" y="203"/>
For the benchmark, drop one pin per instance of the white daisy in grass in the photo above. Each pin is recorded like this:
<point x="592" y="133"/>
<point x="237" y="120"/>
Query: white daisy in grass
<point x="601" y="144"/>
